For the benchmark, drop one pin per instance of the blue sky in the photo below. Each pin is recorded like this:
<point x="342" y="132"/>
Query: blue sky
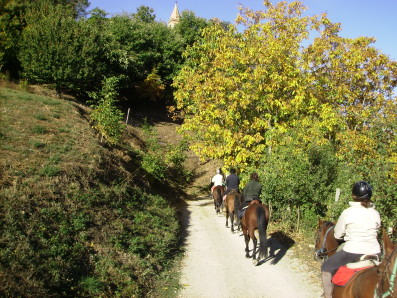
<point x="372" y="18"/>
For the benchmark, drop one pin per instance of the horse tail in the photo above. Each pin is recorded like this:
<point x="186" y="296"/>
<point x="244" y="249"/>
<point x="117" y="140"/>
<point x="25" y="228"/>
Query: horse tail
<point x="218" y="199"/>
<point x="219" y="191"/>
<point x="262" y="226"/>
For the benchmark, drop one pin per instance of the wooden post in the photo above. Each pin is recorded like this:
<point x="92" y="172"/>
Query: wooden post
<point x="128" y="115"/>
<point x="337" y="194"/>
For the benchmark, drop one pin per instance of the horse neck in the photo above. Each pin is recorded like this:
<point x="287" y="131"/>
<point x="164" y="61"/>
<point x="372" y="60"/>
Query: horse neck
<point x="388" y="280"/>
<point x="329" y="240"/>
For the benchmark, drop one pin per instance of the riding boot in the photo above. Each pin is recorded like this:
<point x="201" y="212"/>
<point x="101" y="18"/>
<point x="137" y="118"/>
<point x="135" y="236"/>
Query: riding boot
<point x="327" y="284"/>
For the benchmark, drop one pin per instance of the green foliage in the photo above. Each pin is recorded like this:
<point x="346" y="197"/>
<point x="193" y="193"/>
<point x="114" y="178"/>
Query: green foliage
<point x="152" y="88"/>
<point x="24" y="85"/>
<point x="49" y="45"/>
<point x="163" y="161"/>
<point x="134" y="46"/>
<point x="303" y="181"/>
<point x="11" y="25"/>
<point x="144" y="14"/>
<point x="190" y="27"/>
<point x="312" y="117"/>
<point x="105" y="115"/>
<point x="176" y="156"/>
<point x="50" y="171"/>
<point x="84" y="231"/>
<point x="39" y="129"/>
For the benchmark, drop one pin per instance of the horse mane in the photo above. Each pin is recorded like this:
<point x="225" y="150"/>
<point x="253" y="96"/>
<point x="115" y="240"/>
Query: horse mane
<point x="328" y="223"/>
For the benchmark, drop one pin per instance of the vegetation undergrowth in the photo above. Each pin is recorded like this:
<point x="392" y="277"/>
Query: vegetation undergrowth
<point x="78" y="218"/>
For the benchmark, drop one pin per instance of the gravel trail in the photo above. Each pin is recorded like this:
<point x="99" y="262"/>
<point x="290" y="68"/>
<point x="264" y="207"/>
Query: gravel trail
<point x="215" y="265"/>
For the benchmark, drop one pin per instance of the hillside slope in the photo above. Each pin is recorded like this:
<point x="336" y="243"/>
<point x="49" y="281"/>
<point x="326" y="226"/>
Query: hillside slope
<point x="76" y="217"/>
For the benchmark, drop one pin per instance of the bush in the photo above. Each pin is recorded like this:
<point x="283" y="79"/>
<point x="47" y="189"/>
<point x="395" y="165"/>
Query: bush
<point x="163" y="161"/>
<point x="105" y="115"/>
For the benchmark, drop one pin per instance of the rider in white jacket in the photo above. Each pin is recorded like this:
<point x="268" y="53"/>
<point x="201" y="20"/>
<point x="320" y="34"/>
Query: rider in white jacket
<point x="358" y="225"/>
<point x="218" y="179"/>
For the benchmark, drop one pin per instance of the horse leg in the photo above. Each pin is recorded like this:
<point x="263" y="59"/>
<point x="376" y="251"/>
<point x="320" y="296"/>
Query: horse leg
<point x="227" y="218"/>
<point x="247" y="240"/>
<point x="255" y="242"/>
<point x="232" y="221"/>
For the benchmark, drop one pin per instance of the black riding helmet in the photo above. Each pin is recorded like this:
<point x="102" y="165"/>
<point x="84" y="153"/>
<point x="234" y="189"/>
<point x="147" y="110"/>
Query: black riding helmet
<point x="362" y="190"/>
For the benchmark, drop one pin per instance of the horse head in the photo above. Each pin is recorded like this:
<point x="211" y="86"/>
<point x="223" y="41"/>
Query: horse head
<point x="326" y="244"/>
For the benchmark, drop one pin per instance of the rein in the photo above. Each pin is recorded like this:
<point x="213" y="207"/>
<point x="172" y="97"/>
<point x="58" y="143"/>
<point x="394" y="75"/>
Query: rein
<point x="392" y="278"/>
<point x="323" y="251"/>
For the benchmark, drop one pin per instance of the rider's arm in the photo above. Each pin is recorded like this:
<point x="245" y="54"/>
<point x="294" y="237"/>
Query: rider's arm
<point x="340" y="227"/>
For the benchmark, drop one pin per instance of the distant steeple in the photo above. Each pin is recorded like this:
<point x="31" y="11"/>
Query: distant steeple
<point x="174" y="18"/>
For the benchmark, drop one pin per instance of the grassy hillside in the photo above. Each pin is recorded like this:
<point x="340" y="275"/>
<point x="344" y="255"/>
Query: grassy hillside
<point x="77" y="218"/>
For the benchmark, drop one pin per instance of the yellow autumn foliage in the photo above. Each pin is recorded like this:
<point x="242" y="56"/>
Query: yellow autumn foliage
<point x="242" y="89"/>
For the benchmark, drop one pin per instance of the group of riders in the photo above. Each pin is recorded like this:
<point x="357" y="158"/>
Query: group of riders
<point x="251" y="191"/>
<point x="357" y="226"/>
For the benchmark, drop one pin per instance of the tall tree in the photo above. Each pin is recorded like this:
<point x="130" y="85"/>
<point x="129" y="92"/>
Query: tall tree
<point x="237" y="88"/>
<point x="135" y="48"/>
<point x="242" y="91"/>
<point x="144" y="14"/>
<point x="12" y="22"/>
<point x="56" y="49"/>
<point x="190" y="27"/>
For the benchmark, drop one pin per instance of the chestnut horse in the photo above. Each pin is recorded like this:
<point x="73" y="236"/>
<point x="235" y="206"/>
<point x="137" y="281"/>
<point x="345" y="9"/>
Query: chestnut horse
<point x="233" y="202"/>
<point x="326" y="243"/>
<point x="256" y="217"/>
<point x="378" y="281"/>
<point x="217" y="195"/>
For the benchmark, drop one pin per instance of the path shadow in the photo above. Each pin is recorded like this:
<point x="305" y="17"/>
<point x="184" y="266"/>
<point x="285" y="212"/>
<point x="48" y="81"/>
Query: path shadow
<point x="278" y="244"/>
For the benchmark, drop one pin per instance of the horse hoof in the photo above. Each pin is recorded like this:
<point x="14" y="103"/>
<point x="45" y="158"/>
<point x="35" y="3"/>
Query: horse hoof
<point x="247" y="256"/>
<point x="255" y="262"/>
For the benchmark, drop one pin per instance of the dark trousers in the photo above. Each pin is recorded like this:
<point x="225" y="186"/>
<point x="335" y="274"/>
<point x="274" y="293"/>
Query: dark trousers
<point x="339" y="259"/>
<point x="243" y="208"/>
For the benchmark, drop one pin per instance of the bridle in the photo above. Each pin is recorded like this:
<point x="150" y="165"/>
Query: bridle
<point x="322" y="252"/>
<point x="391" y="278"/>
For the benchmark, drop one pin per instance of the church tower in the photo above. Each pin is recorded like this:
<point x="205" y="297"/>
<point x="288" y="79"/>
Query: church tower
<point x="174" y="18"/>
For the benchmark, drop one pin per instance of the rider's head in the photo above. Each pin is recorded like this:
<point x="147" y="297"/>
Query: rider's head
<point x="254" y="176"/>
<point x="362" y="191"/>
<point x="232" y="170"/>
<point x="218" y="171"/>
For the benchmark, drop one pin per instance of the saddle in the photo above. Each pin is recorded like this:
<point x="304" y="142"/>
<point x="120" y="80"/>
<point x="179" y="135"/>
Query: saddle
<point x="255" y="201"/>
<point x="242" y="210"/>
<point x="346" y="272"/>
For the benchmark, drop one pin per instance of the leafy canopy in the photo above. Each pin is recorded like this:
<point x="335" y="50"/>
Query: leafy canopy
<point x="241" y="92"/>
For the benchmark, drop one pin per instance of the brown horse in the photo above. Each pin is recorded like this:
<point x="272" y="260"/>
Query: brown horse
<point x="326" y="243"/>
<point x="217" y="195"/>
<point x="233" y="202"/>
<point x="256" y="217"/>
<point x="378" y="281"/>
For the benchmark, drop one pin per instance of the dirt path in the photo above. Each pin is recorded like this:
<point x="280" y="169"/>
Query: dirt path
<point x="215" y="263"/>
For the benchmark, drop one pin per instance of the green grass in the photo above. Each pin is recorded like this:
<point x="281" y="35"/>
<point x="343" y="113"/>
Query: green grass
<point x="73" y="219"/>
<point x="41" y="117"/>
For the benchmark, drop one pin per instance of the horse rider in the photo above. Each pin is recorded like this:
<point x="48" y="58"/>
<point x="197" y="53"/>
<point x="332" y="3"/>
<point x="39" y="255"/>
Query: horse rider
<point x="358" y="225"/>
<point x="251" y="191"/>
<point x="232" y="182"/>
<point x="217" y="179"/>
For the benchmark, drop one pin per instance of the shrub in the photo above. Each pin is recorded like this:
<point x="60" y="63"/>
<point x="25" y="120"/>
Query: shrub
<point x="106" y="117"/>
